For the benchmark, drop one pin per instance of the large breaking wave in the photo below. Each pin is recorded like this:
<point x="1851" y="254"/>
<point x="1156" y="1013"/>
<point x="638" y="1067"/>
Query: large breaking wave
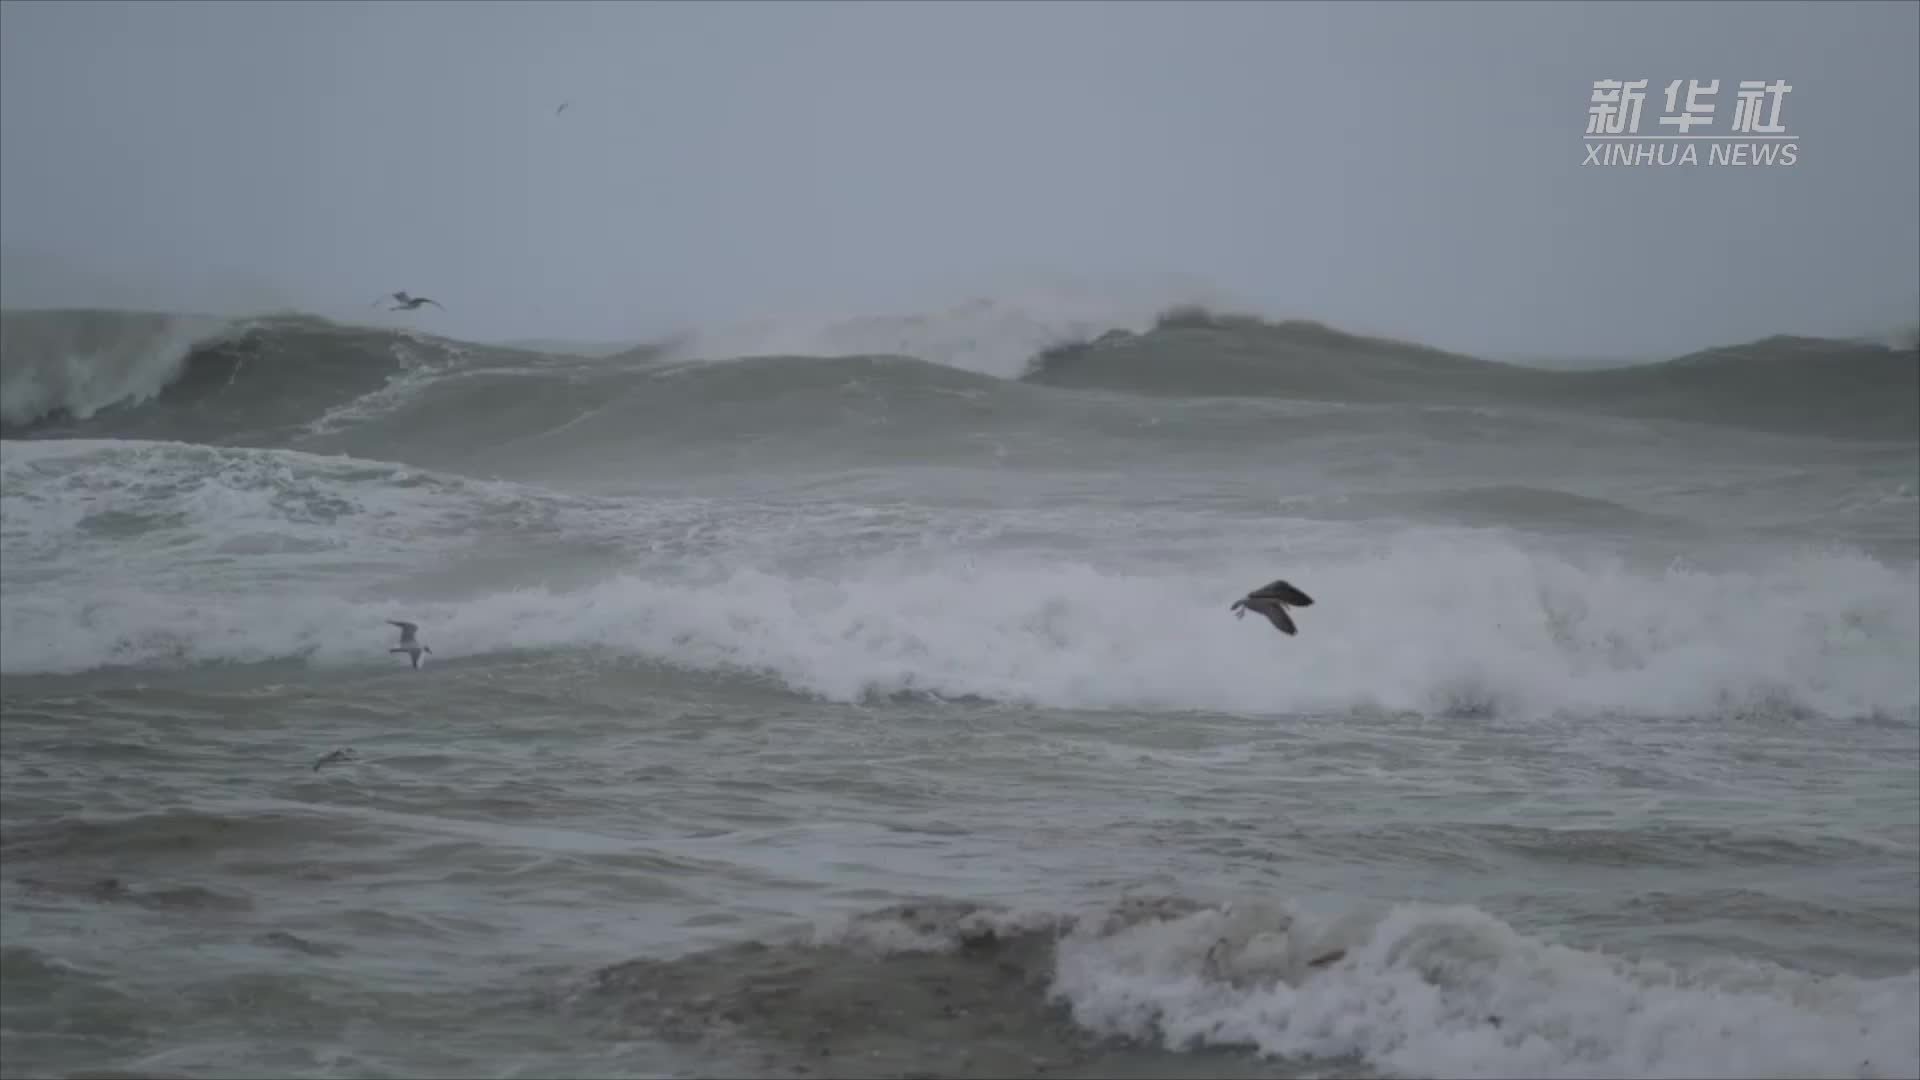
<point x="261" y="381"/>
<point x="292" y="381"/>
<point x="1402" y="989"/>
<point x="76" y="363"/>
<point x="296" y="454"/>
<point x="1509" y="631"/>
<point x="161" y="555"/>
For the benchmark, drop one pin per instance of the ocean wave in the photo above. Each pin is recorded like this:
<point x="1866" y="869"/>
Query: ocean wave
<point x="129" y="375"/>
<point x="769" y="415"/>
<point x="272" y="381"/>
<point x="306" y="383"/>
<point x="764" y="411"/>
<point x="1428" y="990"/>
<point x="1796" y="385"/>
<point x="75" y="512"/>
<point x="1397" y="989"/>
<point x="76" y="363"/>
<point x="1504" y="629"/>
<point x="998" y="337"/>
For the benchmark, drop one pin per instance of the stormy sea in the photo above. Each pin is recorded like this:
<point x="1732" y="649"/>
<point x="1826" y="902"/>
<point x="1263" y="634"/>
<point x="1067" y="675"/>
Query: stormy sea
<point x="864" y="699"/>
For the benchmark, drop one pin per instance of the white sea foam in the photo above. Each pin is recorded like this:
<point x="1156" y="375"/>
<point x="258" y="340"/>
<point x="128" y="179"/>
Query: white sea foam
<point x="81" y="362"/>
<point x="997" y="334"/>
<point x="142" y="553"/>
<point x="1421" y="991"/>
<point x="1431" y="622"/>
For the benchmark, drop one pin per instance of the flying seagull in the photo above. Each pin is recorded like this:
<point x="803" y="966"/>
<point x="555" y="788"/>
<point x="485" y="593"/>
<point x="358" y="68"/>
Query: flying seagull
<point x="562" y="108"/>
<point x="408" y="643"/>
<point x="1272" y="600"/>
<point x="408" y="303"/>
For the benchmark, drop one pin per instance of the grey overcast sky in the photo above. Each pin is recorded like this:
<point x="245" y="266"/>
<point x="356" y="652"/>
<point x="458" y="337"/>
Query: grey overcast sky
<point x="1412" y="169"/>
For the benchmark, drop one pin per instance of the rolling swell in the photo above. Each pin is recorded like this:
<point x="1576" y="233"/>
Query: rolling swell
<point x="763" y="411"/>
<point x="306" y="383"/>
<point x="1785" y="384"/>
<point x="1191" y="352"/>
<point x="264" y="381"/>
<point x="1792" y="384"/>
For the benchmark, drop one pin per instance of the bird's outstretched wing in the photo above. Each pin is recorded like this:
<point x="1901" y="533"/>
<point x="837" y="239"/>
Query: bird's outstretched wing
<point x="1283" y="592"/>
<point x="406" y="626"/>
<point x="1280" y="619"/>
<point x="1275" y="613"/>
<point x="435" y="303"/>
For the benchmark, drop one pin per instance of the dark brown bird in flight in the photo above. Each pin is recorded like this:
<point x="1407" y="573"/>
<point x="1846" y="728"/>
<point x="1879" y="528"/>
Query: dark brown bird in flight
<point x="408" y="303"/>
<point x="1272" y="600"/>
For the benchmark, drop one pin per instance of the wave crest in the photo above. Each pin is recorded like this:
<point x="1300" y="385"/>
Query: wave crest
<point x="1788" y="384"/>
<point x="1433" y="621"/>
<point x="289" y="381"/>
<point x="76" y="363"/>
<point x="1409" y="989"/>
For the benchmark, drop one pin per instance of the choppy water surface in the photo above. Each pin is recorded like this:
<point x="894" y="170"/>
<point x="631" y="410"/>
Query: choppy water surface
<point x="876" y="710"/>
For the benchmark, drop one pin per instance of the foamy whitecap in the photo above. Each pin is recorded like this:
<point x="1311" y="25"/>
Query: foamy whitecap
<point x="1503" y="629"/>
<point x="1426" y="991"/>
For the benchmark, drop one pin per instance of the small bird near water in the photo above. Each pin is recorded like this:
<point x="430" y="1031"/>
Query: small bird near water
<point x="408" y="303"/>
<point x="409" y="643"/>
<point x="1272" y="600"/>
